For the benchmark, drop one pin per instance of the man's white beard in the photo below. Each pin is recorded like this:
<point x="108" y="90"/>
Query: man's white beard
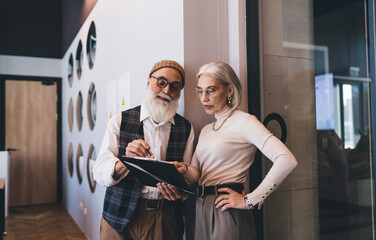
<point x="160" y="110"/>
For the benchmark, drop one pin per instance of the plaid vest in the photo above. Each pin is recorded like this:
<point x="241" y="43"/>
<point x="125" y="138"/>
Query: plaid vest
<point x="121" y="200"/>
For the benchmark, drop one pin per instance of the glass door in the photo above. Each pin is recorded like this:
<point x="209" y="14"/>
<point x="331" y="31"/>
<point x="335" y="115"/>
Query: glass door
<point x="343" y="120"/>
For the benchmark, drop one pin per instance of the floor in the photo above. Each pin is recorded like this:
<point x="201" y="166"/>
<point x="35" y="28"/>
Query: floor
<point x="44" y="222"/>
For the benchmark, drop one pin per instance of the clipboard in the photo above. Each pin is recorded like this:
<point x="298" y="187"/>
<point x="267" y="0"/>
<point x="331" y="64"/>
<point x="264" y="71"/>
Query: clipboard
<point x="151" y="171"/>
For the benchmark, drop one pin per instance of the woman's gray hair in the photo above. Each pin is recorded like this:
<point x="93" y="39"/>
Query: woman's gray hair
<point x="224" y="73"/>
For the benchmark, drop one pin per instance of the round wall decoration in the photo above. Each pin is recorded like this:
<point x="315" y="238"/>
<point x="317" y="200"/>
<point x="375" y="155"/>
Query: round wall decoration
<point x="92" y="106"/>
<point x="91" y="45"/>
<point x="70" y="159"/>
<point x="79" y="59"/>
<point x="70" y="114"/>
<point x="79" y="163"/>
<point x="79" y="117"/>
<point x="70" y="70"/>
<point x="91" y="157"/>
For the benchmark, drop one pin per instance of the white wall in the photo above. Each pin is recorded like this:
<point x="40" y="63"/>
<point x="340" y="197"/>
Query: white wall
<point x="214" y="30"/>
<point x="131" y="37"/>
<point x="4" y="173"/>
<point x="30" y="66"/>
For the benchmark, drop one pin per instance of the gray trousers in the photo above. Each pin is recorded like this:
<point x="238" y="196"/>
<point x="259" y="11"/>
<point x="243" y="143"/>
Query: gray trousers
<point x="213" y="224"/>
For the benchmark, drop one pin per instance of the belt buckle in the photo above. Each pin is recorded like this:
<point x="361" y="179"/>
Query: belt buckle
<point x="152" y="208"/>
<point x="202" y="191"/>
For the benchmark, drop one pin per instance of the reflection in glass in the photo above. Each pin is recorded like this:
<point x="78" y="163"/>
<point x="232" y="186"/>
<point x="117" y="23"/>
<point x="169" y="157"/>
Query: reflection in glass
<point x="92" y="106"/>
<point x="70" y="70"/>
<point x="348" y="115"/>
<point x="70" y="159"/>
<point x="91" y="45"/>
<point x="79" y="163"/>
<point x="324" y="102"/>
<point x="343" y="153"/>
<point x="79" y="59"/>
<point x="79" y="117"/>
<point x="92" y="156"/>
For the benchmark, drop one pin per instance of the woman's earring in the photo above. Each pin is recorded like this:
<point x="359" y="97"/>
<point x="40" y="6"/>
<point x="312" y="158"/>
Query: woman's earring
<point x="229" y="100"/>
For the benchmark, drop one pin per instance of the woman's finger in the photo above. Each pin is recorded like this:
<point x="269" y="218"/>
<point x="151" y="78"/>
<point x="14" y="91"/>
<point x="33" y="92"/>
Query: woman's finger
<point x="182" y="167"/>
<point x="219" y="204"/>
<point x="226" y="206"/>
<point x="228" y="190"/>
<point x="219" y="199"/>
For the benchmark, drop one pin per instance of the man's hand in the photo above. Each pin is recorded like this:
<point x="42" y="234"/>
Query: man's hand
<point x="181" y="166"/>
<point x="169" y="192"/>
<point x="120" y="169"/>
<point x="137" y="148"/>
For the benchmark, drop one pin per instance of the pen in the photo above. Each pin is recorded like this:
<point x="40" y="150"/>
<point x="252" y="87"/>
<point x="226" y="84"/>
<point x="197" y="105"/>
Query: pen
<point x="150" y="153"/>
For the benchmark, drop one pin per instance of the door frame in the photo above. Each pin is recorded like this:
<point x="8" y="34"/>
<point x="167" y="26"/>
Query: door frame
<point x="371" y="15"/>
<point x="254" y="97"/>
<point x="56" y="80"/>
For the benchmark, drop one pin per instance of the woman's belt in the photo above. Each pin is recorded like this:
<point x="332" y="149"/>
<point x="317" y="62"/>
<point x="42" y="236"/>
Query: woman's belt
<point x="213" y="190"/>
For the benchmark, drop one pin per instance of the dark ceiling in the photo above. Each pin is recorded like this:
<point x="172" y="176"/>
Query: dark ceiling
<point x="46" y="28"/>
<point x="41" y="28"/>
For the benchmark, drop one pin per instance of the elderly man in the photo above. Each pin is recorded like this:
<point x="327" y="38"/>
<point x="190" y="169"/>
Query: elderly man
<point x="132" y="210"/>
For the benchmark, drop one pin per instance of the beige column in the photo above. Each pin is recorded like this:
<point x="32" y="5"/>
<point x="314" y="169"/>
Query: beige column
<point x="288" y="88"/>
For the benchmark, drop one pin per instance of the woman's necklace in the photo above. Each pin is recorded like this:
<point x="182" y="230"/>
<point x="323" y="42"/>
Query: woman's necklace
<point x="214" y="129"/>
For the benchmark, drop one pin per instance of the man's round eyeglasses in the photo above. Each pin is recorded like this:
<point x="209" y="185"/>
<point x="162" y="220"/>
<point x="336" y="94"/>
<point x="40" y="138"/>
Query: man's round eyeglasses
<point x="162" y="83"/>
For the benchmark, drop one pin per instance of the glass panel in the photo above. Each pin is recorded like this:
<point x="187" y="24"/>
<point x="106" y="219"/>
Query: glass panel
<point x="315" y="76"/>
<point x="343" y="157"/>
<point x="350" y="116"/>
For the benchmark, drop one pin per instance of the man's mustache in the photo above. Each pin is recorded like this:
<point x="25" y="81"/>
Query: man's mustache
<point x="163" y="96"/>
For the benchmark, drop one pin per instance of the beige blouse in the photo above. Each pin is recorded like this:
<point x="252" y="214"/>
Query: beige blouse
<point x="224" y="156"/>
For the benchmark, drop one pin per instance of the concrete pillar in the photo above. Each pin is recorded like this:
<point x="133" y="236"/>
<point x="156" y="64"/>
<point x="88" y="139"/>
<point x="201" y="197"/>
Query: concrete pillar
<point x="288" y="88"/>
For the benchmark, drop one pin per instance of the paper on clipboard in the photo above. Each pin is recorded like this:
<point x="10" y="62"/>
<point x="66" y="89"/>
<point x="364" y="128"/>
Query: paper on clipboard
<point x="151" y="171"/>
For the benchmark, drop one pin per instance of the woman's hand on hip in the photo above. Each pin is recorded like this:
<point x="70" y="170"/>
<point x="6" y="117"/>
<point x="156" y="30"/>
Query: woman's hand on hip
<point x="231" y="200"/>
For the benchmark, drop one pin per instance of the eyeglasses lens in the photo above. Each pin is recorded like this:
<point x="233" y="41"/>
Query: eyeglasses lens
<point x="174" y="86"/>
<point x="200" y="93"/>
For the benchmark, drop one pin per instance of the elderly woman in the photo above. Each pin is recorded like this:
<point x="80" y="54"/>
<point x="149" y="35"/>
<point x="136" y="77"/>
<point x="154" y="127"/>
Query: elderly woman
<point x="226" y="149"/>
